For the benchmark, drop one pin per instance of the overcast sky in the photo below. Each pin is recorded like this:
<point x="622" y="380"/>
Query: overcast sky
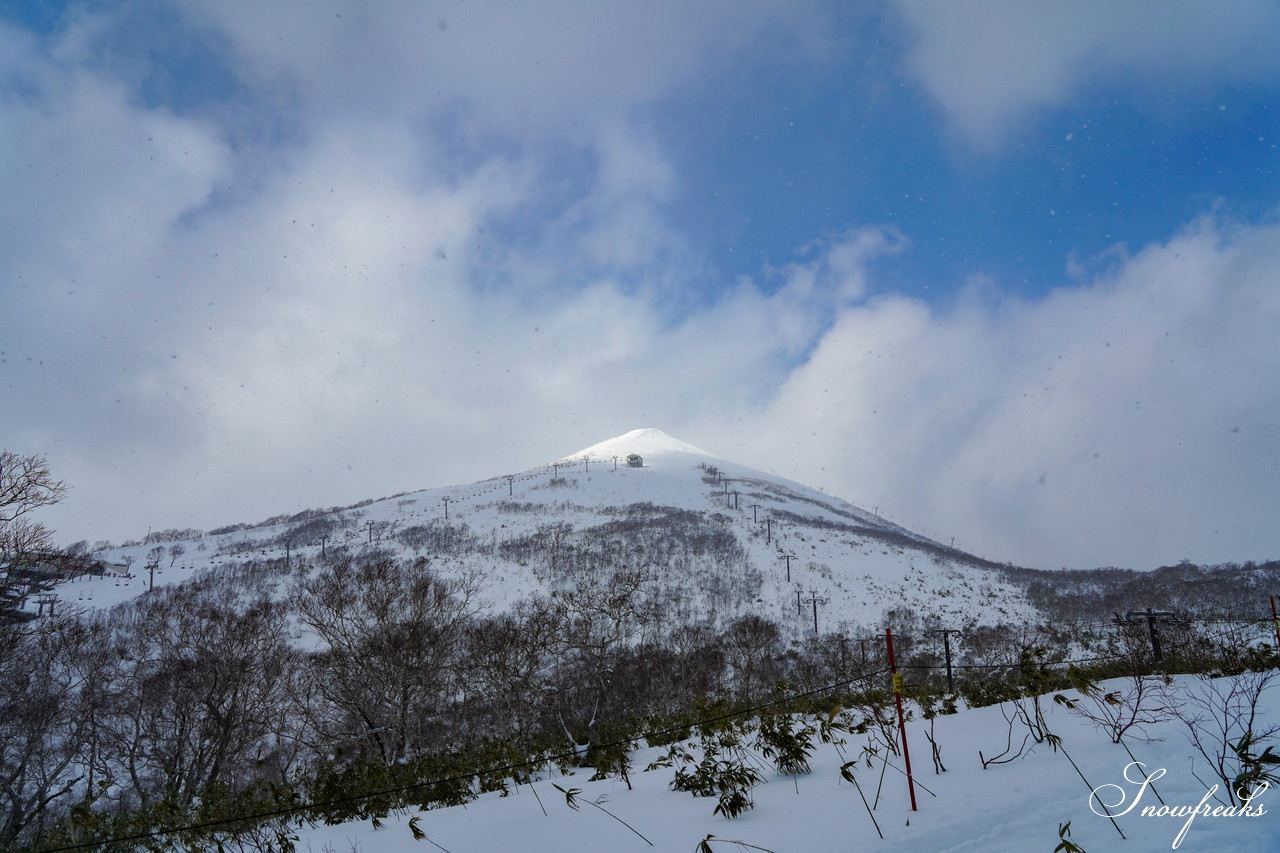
<point x="1008" y="271"/>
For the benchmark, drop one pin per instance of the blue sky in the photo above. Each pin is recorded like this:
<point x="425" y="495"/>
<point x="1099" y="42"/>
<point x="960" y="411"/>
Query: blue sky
<point x="1007" y="270"/>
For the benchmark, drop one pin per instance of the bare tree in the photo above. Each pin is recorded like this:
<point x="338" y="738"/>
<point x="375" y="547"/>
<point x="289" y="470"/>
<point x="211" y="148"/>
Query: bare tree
<point x="25" y="485"/>
<point x="597" y="620"/>
<point x="1224" y="724"/>
<point x="201" y="677"/>
<point x="45" y="721"/>
<point x="1138" y="701"/>
<point x="392" y="635"/>
<point x="750" y="644"/>
<point x="508" y="659"/>
<point x="695" y="666"/>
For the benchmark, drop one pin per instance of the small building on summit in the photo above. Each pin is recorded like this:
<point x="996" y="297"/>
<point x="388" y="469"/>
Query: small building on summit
<point x="634" y="460"/>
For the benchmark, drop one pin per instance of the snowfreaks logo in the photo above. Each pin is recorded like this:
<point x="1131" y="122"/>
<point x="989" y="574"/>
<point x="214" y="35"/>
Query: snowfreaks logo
<point x="1242" y="805"/>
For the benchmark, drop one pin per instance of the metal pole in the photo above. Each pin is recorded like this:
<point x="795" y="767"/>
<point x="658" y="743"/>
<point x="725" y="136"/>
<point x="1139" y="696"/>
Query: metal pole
<point x="1275" y="618"/>
<point x="902" y="723"/>
<point x="946" y="649"/>
<point x="1155" y="635"/>
<point x="946" y="646"/>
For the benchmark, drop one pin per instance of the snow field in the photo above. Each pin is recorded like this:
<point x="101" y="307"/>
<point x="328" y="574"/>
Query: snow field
<point x="1008" y="808"/>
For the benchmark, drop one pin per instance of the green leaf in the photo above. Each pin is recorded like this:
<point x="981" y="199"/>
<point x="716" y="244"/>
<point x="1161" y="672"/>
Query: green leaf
<point x="570" y="796"/>
<point x="1067" y="845"/>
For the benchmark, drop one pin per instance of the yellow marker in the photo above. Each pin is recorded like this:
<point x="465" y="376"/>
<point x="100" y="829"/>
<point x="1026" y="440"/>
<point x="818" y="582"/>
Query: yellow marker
<point x="897" y="682"/>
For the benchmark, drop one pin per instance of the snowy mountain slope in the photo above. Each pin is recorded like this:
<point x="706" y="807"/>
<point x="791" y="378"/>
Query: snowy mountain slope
<point x="718" y="538"/>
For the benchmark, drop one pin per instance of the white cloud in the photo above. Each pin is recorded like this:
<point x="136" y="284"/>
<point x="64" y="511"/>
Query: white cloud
<point x="216" y="335"/>
<point x="528" y="69"/>
<point x="1131" y="420"/>
<point x="331" y="332"/>
<point x="991" y="64"/>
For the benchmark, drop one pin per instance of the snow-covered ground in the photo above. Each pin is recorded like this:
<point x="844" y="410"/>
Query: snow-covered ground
<point x="1009" y="808"/>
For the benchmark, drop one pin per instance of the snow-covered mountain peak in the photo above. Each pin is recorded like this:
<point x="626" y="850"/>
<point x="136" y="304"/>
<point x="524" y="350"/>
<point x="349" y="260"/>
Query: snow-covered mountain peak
<point x="644" y="442"/>
<point x="714" y="532"/>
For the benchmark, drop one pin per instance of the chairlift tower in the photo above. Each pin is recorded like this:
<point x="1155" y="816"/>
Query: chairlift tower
<point x="1152" y="618"/>
<point x="788" y="558"/>
<point x="815" y="601"/>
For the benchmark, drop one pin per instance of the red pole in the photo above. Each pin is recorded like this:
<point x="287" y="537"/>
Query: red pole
<point x="1275" y="620"/>
<point x="902" y="723"/>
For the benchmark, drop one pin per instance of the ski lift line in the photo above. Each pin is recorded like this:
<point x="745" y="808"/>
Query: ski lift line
<point x="999" y="666"/>
<point x="1255" y="622"/>
<point x="1218" y="635"/>
<point x="404" y="789"/>
<point x="1110" y="623"/>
